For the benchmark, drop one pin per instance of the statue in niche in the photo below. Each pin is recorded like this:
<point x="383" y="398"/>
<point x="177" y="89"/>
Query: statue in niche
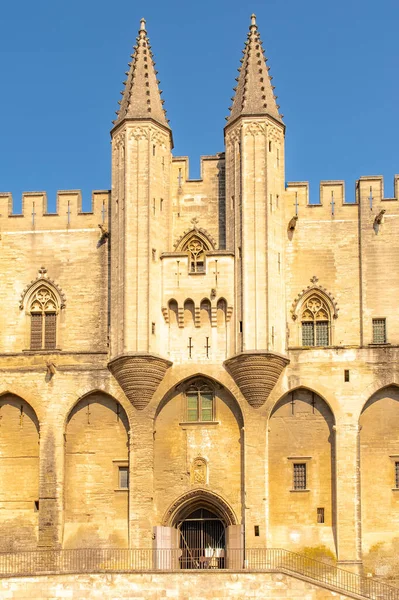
<point x="199" y="471"/>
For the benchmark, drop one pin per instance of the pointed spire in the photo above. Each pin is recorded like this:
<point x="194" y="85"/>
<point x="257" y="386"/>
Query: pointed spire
<point x="254" y="92"/>
<point x="141" y="97"/>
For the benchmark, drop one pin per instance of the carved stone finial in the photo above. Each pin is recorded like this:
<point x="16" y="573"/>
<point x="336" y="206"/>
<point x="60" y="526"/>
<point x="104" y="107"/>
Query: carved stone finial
<point x="42" y="272"/>
<point x="195" y="221"/>
<point x="314" y="279"/>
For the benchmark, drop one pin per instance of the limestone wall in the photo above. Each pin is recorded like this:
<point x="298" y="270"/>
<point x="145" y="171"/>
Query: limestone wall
<point x="152" y="586"/>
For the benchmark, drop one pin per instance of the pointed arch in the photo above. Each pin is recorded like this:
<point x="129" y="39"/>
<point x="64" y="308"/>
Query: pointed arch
<point x="202" y="234"/>
<point x="318" y="291"/>
<point x="199" y="498"/>
<point x="96" y="449"/>
<point x="42" y="282"/>
<point x="42" y="300"/>
<point x="315" y="309"/>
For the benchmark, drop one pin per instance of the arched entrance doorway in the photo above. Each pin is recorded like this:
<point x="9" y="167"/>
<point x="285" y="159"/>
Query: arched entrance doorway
<point x="202" y="540"/>
<point x="204" y="530"/>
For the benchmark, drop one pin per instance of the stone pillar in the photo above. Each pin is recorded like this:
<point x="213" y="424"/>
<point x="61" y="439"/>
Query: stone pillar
<point x="141" y="505"/>
<point x="51" y="485"/>
<point x="255" y="479"/>
<point x="347" y="495"/>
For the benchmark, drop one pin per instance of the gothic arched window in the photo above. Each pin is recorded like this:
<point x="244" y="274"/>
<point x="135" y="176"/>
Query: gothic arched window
<point x="196" y="255"/>
<point x="315" y="319"/>
<point x="43" y="309"/>
<point x="200" y="402"/>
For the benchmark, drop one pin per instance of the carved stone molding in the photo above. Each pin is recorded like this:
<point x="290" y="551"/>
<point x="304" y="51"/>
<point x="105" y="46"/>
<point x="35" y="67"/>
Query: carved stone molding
<point x="202" y="233"/>
<point x="318" y="289"/>
<point x="42" y="278"/>
<point x="255" y="129"/>
<point x="201" y="498"/>
<point x="139" y="376"/>
<point x="139" y="133"/>
<point x="256" y="374"/>
<point x="159" y="137"/>
<point x="233" y="135"/>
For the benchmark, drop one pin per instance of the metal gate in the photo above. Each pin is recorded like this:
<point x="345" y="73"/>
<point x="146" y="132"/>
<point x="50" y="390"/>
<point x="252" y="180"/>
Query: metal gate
<point x="202" y="541"/>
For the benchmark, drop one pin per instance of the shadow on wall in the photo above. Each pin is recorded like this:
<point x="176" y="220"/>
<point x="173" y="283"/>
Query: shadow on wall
<point x="382" y="561"/>
<point x="17" y="535"/>
<point x="88" y="537"/>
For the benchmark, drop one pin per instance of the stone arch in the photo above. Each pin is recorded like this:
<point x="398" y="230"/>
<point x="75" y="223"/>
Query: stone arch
<point x="189" y="313"/>
<point x="205" y="313"/>
<point x="180" y="438"/>
<point x="316" y="290"/>
<point x="183" y="383"/>
<point x="205" y="237"/>
<point x="90" y="391"/>
<point x="379" y="467"/>
<point x="96" y="456"/>
<point x="16" y="390"/>
<point x="306" y="383"/>
<point x="199" y="498"/>
<point x="19" y="473"/>
<point x="301" y="459"/>
<point x="221" y="308"/>
<point x="35" y="284"/>
<point x="173" y="313"/>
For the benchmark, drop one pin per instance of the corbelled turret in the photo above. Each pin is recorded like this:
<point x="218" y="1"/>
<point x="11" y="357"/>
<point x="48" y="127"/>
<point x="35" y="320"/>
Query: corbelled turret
<point x="254" y="94"/>
<point x="140" y="207"/>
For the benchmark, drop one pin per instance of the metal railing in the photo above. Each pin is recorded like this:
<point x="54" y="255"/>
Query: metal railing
<point x="114" y="560"/>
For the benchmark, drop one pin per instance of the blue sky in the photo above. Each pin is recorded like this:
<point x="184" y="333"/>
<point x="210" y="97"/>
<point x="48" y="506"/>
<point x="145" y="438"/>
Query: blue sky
<point x="335" y="67"/>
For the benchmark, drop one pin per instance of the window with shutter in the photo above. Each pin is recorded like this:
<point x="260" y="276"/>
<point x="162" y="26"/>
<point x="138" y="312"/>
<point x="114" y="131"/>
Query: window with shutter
<point x="200" y="403"/>
<point x="43" y="311"/>
<point x="50" y="331"/>
<point x="36" y="331"/>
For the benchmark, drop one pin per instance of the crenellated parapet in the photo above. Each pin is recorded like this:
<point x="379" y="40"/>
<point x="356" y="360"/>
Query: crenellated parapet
<point x="332" y="201"/>
<point x="69" y="213"/>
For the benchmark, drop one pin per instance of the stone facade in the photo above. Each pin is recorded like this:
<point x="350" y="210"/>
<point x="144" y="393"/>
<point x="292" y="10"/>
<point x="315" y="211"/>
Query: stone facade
<point x="216" y="344"/>
<point x="154" y="586"/>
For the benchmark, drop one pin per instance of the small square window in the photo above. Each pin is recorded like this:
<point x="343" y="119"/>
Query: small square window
<point x="299" y="476"/>
<point x="320" y="515"/>
<point x="123" y="482"/>
<point x="379" y="331"/>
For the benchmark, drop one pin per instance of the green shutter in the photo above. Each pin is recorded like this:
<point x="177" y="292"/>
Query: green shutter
<point x="192" y="407"/>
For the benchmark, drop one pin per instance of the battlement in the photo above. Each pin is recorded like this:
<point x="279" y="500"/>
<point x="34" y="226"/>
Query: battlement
<point x="208" y="164"/>
<point x="68" y="215"/>
<point x="369" y="191"/>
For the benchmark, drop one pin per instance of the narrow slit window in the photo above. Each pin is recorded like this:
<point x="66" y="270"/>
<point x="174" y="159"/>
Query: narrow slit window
<point x="397" y="474"/>
<point x="320" y="515"/>
<point x="123" y="478"/>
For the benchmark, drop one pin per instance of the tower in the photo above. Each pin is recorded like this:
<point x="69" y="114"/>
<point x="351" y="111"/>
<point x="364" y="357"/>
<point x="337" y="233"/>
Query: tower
<point x="140" y="220"/>
<point x="254" y="139"/>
